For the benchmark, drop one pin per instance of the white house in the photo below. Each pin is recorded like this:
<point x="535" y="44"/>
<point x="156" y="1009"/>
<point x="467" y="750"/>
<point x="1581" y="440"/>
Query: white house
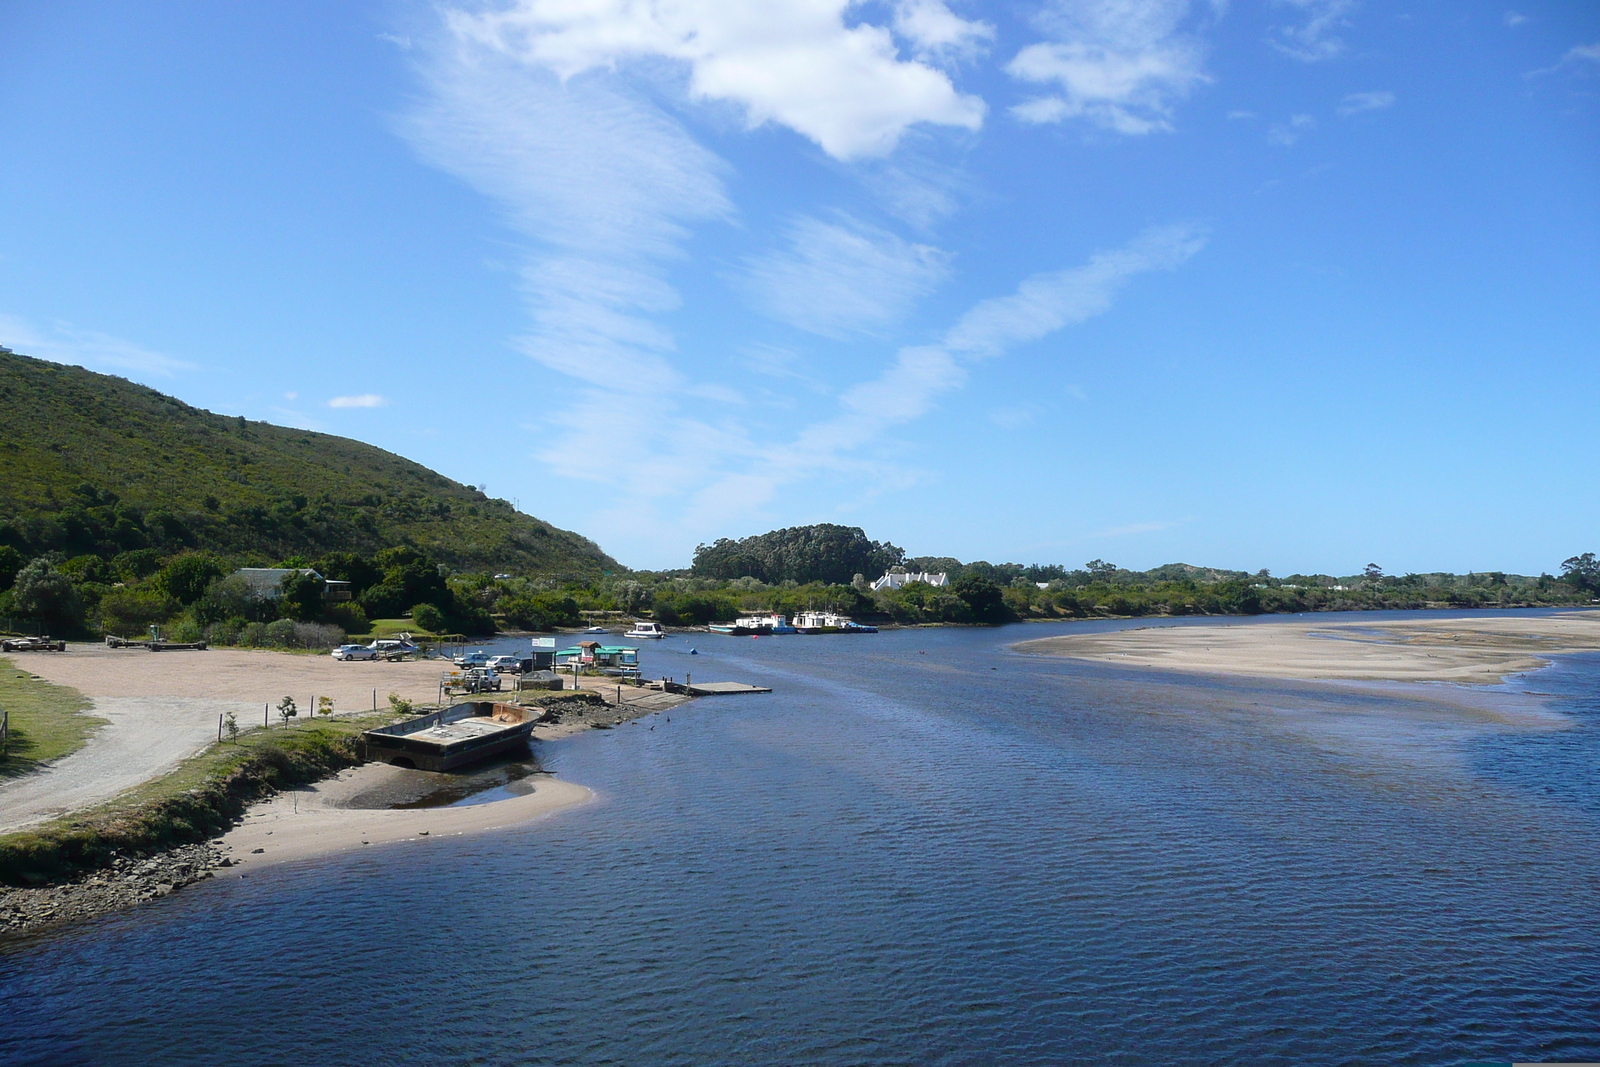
<point x="897" y="581"/>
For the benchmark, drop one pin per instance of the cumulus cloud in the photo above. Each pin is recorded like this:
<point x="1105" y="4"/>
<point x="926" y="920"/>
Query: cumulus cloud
<point x="62" y="342"/>
<point x="939" y="33"/>
<point x="1356" y="103"/>
<point x="1315" y="37"/>
<point x="835" y="278"/>
<point x="797" y="63"/>
<point x="365" y="400"/>
<point x="1120" y="64"/>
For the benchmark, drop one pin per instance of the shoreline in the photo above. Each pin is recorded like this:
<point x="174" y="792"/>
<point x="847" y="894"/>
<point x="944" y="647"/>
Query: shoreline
<point x="1466" y="650"/>
<point x="315" y="821"/>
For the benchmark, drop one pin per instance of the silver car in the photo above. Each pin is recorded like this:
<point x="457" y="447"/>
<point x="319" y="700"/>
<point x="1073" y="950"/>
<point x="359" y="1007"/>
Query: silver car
<point x="344" y="652"/>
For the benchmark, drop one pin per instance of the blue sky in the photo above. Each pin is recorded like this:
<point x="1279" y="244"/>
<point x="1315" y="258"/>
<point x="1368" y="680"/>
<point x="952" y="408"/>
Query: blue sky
<point x="1298" y="284"/>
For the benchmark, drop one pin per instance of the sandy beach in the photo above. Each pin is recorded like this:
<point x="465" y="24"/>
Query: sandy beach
<point x="314" y="821"/>
<point x="1469" y="650"/>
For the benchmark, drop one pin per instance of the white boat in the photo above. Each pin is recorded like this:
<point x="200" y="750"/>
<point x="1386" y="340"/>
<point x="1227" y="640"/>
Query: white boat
<point x="594" y="630"/>
<point x="646" y="629"/>
<point x="779" y="623"/>
<point x="827" y="622"/>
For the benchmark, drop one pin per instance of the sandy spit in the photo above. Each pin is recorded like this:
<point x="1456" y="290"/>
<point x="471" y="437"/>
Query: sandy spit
<point x="311" y="821"/>
<point x="1466" y="649"/>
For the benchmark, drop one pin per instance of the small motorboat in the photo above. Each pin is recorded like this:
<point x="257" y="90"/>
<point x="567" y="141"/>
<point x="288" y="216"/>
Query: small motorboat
<point x="594" y="630"/>
<point x="646" y="629"/>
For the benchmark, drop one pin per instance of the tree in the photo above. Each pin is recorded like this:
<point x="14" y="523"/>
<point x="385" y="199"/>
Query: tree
<point x="1582" y="571"/>
<point x="983" y="597"/>
<point x="325" y="705"/>
<point x="300" y="596"/>
<point x="46" y="595"/>
<point x="10" y="564"/>
<point x="287" y="710"/>
<point x="186" y="578"/>
<point x="230" y="724"/>
<point x="1101" y="571"/>
<point x="428" y="617"/>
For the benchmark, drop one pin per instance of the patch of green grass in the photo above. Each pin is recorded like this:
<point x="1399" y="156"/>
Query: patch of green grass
<point x="47" y="721"/>
<point x="386" y="628"/>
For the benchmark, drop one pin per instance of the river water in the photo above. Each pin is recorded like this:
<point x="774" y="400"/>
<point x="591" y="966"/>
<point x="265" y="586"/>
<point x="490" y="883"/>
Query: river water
<point x="921" y="849"/>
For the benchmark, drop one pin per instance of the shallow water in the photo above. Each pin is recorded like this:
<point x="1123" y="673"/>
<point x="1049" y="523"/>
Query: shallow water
<point x="921" y="849"/>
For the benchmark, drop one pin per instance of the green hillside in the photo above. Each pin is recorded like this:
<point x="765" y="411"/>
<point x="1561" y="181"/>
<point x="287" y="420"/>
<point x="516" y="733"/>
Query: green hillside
<point x="92" y="464"/>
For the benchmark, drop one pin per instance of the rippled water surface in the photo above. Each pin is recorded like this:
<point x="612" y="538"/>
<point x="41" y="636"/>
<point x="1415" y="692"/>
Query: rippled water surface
<point x="921" y="849"/>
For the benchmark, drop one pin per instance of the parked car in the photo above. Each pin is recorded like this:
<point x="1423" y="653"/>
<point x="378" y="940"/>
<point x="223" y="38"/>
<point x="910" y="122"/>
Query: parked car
<point x="480" y="680"/>
<point x="344" y="652"/>
<point x="506" y="664"/>
<point x="473" y="659"/>
<point x="32" y="644"/>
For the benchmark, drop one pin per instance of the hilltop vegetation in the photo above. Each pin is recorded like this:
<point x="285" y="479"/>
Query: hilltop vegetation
<point x="96" y="465"/>
<point x="121" y="507"/>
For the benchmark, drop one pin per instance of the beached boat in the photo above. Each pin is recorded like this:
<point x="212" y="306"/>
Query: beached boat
<point x="826" y="622"/>
<point x="646" y="629"/>
<point x="455" y="737"/>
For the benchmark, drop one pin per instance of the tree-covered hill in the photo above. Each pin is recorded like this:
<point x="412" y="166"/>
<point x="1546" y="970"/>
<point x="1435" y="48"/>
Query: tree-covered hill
<point x="93" y="464"/>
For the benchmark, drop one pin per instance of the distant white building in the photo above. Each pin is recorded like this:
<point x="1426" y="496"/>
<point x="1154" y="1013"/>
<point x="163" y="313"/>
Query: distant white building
<point x="897" y="581"/>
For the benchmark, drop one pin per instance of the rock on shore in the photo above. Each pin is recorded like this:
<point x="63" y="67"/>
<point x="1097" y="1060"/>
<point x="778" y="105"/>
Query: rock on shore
<point x="128" y="881"/>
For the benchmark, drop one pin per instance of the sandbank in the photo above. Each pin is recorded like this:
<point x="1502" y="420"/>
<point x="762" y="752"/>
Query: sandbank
<point x="1468" y="650"/>
<point x="312" y="821"/>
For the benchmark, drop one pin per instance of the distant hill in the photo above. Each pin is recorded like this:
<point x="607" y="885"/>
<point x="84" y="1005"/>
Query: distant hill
<point x="93" y="464"/>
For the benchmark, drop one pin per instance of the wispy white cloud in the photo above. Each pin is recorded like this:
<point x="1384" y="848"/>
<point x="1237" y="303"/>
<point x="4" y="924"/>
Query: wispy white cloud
<point x="64" y="343"/>
<point x="602" y="182"/>
<point x="1579" y="57"/>
<point x="1120" y="64"/>
<point x="1515" y="18"/>
<point x="1316" y="36"/>
<point x="1048" y="302"/>
<point x="1237" y="115"/>
<point x="841" y="277"/>
<point x="797" y="63"/>
<point x="1356" y="103"/>
<point x="1288" y="132"/>
<point x="365" y="400"/>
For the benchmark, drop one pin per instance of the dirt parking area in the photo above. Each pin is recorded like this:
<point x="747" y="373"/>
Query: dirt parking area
<point x="162" y="707"/>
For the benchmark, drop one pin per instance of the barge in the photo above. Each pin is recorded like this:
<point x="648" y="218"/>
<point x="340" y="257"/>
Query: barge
<point x="455" y="737"/>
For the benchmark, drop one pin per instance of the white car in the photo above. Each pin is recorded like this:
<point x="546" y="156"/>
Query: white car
<point x="509" y="664"/>
<point x="344" y="652"/>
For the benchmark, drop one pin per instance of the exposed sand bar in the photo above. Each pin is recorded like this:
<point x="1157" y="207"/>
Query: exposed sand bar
<point x="312" y="822"/>
<point x="1471" y="650"/>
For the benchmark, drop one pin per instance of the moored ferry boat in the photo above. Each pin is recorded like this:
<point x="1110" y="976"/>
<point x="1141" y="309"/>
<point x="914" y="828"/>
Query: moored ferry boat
<point x="827" y="622"/>
<point x="744" y="626"/>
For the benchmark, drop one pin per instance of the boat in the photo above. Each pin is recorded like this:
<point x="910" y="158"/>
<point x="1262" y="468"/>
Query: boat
<point x="646" y="629"/>
<point x="827" y="622"/>
<point x="749" y="626"/>
<point x="780" y="624"/>
<point x="594" y="630"/>
<point x="455" y="737"/>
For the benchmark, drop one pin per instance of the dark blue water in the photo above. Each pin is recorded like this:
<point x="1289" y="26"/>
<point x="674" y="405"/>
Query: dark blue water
<point x="921" y="849"/>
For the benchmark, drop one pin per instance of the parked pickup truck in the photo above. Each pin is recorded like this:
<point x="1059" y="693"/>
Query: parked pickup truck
<point x="480" y="680"/>
<point x="32" y="644"/>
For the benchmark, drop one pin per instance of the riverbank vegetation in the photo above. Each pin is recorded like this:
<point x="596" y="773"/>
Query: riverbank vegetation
<point x="200" y="799"/>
